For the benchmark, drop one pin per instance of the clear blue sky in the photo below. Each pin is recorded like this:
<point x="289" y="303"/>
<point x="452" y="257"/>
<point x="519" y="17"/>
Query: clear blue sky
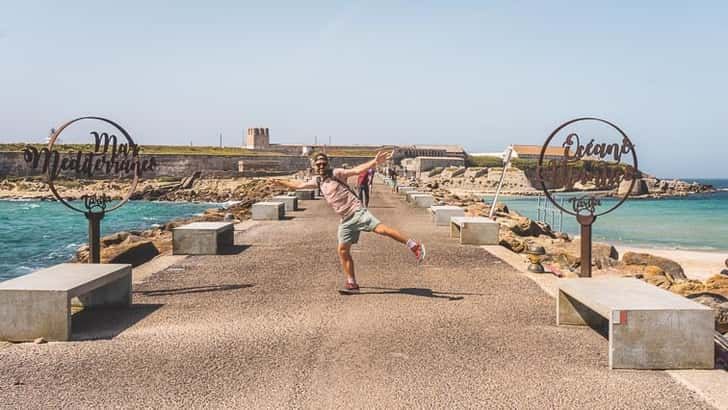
<point x="479" y="74"/>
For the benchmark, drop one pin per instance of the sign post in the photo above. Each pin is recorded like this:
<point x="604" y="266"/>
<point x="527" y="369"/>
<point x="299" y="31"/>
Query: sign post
<point x="109" y="157"/>
<point x="506" y="165"/>
<point x="601" y="164"/>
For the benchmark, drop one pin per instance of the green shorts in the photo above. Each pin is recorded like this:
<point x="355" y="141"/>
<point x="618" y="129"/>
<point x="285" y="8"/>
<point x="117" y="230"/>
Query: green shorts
<point x="361" y="220"/>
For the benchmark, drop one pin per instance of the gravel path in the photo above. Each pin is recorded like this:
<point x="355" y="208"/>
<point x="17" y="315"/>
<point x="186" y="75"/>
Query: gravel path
<point x="265" y="328"/>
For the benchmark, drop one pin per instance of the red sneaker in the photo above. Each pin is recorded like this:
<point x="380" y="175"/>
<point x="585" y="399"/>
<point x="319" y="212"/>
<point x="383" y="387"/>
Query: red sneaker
<point x="419" y="251"/>
<point x="351" y="286"/>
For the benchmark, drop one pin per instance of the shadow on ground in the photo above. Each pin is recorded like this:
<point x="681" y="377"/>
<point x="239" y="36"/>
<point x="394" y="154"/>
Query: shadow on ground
<point x="107" y="323"/>
<point x="195" y="289"/>
<point x="424" y="292"/>
<point x="233" y="250"/>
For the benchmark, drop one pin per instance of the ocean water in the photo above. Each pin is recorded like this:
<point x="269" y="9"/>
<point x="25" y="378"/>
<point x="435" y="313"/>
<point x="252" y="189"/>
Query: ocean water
<point x="696" y="222"/>
<point x="37" y="234"/>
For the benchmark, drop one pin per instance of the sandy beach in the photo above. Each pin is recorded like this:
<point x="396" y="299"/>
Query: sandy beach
<point x="697" y="264"/>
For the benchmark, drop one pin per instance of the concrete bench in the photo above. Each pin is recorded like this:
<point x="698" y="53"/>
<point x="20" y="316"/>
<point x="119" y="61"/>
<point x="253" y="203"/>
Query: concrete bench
<point x="474" y="230"/>
<point x="290" y="202"/>
<point x="305" y="194"/>
<point x="408" y="196"/>
<point x="648" y="327"/>
<point x="441" y="214"/>
<point x="404" y="189"/>
<point x="422" y="200"/>
<point x="268" y="211"/>
<point x="39" y="304"/>
<point x="202" y="238"/>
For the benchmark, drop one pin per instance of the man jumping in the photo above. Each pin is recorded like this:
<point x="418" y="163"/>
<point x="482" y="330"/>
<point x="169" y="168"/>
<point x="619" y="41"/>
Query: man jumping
<point x="355" y="218"/>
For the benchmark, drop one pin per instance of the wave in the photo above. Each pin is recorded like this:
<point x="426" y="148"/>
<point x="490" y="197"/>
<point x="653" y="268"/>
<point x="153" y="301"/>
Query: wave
<point x="226" y="205"/>
<point x="20" y="200"/>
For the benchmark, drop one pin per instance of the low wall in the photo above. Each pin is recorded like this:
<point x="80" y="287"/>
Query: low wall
<point x="423" y="164"/>
<point x="12" y="164"/>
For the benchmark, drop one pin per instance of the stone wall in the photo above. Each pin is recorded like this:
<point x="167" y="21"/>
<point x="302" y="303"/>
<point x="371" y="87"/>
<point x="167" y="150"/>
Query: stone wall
<point x="514" y="178"/>
<point x="423" y="164"/>
<point x="180" y="166"/>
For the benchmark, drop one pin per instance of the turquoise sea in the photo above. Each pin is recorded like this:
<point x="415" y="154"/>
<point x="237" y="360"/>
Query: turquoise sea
<point x="696" y="222"/>
<point x="37" y="234"/>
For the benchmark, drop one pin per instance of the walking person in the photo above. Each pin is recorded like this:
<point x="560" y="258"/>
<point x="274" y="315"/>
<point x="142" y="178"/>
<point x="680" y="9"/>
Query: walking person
<point x="393" y="177"/>
<point x="364" y="182"/>
<point x="355" y="218"/>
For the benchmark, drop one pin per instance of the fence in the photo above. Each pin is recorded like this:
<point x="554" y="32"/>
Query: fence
<point x="546" y="209"/>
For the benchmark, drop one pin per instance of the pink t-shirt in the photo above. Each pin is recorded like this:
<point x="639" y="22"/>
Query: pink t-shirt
<point x="344" y="202"/>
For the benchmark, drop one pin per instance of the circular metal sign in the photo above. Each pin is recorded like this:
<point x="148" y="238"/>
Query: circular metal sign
<point x="595" y="164"/>
<point x="109" y="156"/>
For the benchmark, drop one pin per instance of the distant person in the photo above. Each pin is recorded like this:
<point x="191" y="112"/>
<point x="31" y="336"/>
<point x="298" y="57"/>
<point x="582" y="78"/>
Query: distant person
<point x="393" y="177"/>
<point x="355" y="218"/>
<point x="364" y="182"/>
<point x="725" y="271"/>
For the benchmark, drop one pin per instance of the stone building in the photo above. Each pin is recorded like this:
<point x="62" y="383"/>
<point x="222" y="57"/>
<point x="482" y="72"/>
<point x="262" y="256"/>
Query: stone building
<point x="534" y="152"/>
<point x="258" y="138"/>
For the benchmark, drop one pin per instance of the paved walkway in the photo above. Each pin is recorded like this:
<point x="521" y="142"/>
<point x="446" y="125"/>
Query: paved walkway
<point x="265" y="328"/>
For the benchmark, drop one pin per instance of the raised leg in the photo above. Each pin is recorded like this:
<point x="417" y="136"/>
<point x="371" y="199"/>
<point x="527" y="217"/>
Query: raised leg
<point x="385" y="230"/>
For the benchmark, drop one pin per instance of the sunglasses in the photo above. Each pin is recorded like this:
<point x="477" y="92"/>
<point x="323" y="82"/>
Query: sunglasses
<point x="321" y="164"/>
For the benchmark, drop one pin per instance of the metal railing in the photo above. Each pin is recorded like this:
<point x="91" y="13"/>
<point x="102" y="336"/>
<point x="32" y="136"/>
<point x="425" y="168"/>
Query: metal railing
<point x="545" y="210"/>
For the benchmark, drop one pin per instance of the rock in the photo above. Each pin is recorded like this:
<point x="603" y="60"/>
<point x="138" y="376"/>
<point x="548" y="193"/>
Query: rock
<point x="640" y="187"/>
<point x="134" y="252"/>
<point x="688" y="287"/>
<point x="589" y="186"/>
<point x="603" y="255"/>
<point x="188" y="181"/>
<point x="114" y="239"/>
<point x="40" y="341"/>
<point x="672" y="269"/>
<point x="563" y="260"/>
<point x="510" y="241"/>
<point x="654" y="270"/>
<point x="529" y="227"/>
<point x="659" y="281"/>
<point x="717" y="283"/>
<point x="562" y="235"/>
<point x="719" y="304"/>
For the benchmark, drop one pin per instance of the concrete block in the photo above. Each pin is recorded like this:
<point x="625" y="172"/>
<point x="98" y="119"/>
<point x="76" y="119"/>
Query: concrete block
<point x="403" y="190"/>
<point x="441" y="214"/>
<point x="422" y="200"/>
<point x="290" y="202"/>
<point x="305" y="194"/>
<point x="268" y="211"/>
<point x="649" y="327"/>
<point x="39" y="304"/>
<point x="202" y="238"/>
<point x="408" y="196"/>
<point x="474" y="230"/>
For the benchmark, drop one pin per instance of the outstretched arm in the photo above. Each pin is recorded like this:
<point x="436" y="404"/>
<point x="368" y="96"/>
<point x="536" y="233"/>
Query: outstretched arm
<point x="381" y="157"/>
<point x="289" y="184"/>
